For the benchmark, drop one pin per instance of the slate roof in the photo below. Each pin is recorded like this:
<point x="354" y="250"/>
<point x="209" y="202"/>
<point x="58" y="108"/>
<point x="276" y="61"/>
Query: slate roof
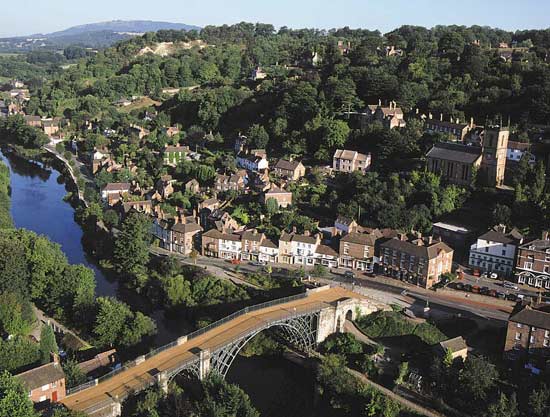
<point x="186" y="227"/>
<point x="538" y="244"/>
<point x="117" y="186"/>
<point x="268" y="243"/>
<point x="455" y="152"/>
<point x="494" y="236"/>
<point x="253" y="237"/>
<point x="349" y="155"/>
<point x="419" y="251"/>
<point x="326" y="250"/>
<point x="38" y="377"/>
<point x="287" y="165"/>
<point x="360" y="238"/>
<point x="532" y="317"/>
<point x="447" y="124"/>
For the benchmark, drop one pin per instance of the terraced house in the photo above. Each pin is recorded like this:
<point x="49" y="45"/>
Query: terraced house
<point x="418" y="260"/>
<point x="533" y="262"/>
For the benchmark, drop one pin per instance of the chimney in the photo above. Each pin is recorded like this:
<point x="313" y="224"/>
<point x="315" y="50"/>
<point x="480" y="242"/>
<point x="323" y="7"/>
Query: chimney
<point x="451" y="119"/>
<point x="430" y="116"/>
<point x="430" y="240"/>
<point x="457" y="120"/>
<point x="307" y="233"/>
<point x="379" y="102"/>
<point x="293" y="229"/>
<point x="501" y="228"/>
<point x="417" y="110"/>
<point x="546" y="235"/>
<point x="55" y="358"/>
<point x="441" y="117"/>
<point x="471" y="122"/>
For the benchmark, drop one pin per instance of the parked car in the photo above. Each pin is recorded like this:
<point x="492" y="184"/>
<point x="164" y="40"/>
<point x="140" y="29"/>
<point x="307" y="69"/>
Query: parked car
<point x="484" y="275"/>
<point x="501" y="295"/>
<point x="349" y="274"/>
<point x="476" y="289"/>
<point x="370" y="274"/>
<point x="492" y="293"/>
<point x="257" y="263"/>
<point x="510" y="285"/>
<point x="494" y="275"/>
<point x="235" y="262"/>
<point x="484" y="290"/>
<point x="468" y="287"/>
<point x="459" y="286"/>
<point x="512" y="297"/>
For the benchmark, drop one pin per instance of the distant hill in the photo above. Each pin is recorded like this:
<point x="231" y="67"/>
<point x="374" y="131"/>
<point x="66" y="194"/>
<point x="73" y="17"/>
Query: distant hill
<point x="93" y="35"/>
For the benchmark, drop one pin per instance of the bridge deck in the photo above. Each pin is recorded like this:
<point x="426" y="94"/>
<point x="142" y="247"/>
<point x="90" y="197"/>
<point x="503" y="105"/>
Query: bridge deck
<point x="142" y="375"/>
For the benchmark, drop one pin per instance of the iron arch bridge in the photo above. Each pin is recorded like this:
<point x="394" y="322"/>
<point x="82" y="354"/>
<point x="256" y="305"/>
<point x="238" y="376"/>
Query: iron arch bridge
<point x="303" y="320"/>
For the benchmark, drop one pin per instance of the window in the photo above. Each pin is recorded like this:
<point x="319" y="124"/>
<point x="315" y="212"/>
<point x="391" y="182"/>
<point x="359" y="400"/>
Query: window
<point x="519" y="325"/>
<point x="45" y="387"/>
<point x="546" y="343"/>
<point x="518" y="336"/>
<point x="486" y="249"/>
<point x="532" y="339"/>
<point x="42" y="398"/>
<point x="547" y="269"/>
<point x="503" y="252"/>
<point x="528" y="265"/>
<point x="547" y="333"/>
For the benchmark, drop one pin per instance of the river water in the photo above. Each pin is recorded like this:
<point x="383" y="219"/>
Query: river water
<point x="276" y="386"/>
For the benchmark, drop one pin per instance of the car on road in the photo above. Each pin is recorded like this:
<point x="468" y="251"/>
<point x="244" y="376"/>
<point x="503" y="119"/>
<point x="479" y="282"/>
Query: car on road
<point x="468" y="287"/>
<point x="484" y="290"/>
<point x="501" y="295"/>
<point x="510" y="285"/>
<point x="257" y="263"/>
<point x="492" y="293"/>
<point x="459" y="286"/>
<point x="512" y="297"/>
<point x="370" y="274"/>
<point x="349" y="274"/>
<point x="234" y="261"/>
<point x="494" y="275"/>
<point x="484" y="275"/>
<point x="476" y="289"/>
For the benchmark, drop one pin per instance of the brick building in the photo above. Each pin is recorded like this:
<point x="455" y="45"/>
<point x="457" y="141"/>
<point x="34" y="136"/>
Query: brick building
<point x="357" y="250"/>
<point x="44" y="383"/>
<point x="420" y="261"/>
<point x="350" y="161"/>
<point x="528" y="334"/>
<point x="282" y="197"/>
<point x="533" y="262"/>
<point x="292" y="170"/>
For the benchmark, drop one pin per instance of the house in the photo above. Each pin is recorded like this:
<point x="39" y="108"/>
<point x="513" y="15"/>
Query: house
<point x="344" y="225"/>
<point x="181" y="234"/>
<point x="223" y="245"/>
<point x="123" y="102"/>
<point x="326" y="256"/>
<point x="418" y="260"/>
<point x="101" y="360"/>
<point x="44" y="383"/>
<point x="453" y="128"/>
<point x="282" y="197"/>
<point x="528" y="334"/>
<point x="254" y="160"/>
<point x="269" y="251"/>
<point x="172" y="131"/>
<point x="350" y="161"/>
<point x="50" y="126"/>
<point x="192" y="186"/>
<point x="258" y="74"/>
<point x="174" y="154"/>
<point x="144" y="206"/>
<point x="139" y="131"/>
<point x="456" y="346"/>
<point x="34" y="121"/>
<point x="390" y="116"/>
<point x="516" y="150"/>
<point x="221" y="220"/>
<point x="495" y="251"/>
<point x="234" y="182"/>
<point x="114" y="191"/>
<point x="357" y="250"/>
<point x="251" y="241"/>
<point x="461" y="163"/>
<point x="289" y="169"/>
<point x="533" y="262"/>
<point x="298" y="249"/>
<point x="165" y="186"/>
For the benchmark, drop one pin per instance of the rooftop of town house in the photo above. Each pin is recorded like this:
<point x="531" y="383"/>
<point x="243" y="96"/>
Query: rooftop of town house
<point x="117" y="186"/>
<point x="419" y="248"/>
<point x="287" y="165"/>
<point x="349" y="155"/>
<point x="42" y="375"/>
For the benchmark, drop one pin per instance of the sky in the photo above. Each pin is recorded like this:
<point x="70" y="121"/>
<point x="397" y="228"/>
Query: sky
<point x="24" y="17"/>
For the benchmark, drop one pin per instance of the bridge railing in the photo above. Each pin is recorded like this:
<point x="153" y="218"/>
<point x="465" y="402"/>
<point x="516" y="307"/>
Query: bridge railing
<point x="190" y="336"/>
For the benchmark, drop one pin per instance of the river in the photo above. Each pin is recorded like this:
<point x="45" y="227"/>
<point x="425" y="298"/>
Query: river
<point x="276" y="386"/>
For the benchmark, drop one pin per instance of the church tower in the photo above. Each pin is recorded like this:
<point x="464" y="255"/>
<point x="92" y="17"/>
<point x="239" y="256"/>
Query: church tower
<point x="493" y="163"/>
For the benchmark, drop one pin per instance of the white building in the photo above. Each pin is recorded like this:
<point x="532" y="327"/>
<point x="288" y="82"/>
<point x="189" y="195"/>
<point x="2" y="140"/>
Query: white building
<point x="269" y="251"/>
<point x="516" y="150"/>
<point x="252" y="161"/>
<point x="230" y="246"/>
<point x="495" y="251"/>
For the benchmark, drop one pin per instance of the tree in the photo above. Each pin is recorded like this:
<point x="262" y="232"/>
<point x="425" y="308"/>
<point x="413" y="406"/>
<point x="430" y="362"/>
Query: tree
<point x="342" y="344"/>
<point x="14" y="399"/>
<point x="477" y="378"/>
<point x="131" y="253"/>
<point x="48" y="344"/>
<point x="116" y="324"/>
<point x="539" y="402"/>
<point x="271" y="206"/>
<point x="502" y="214"/>
<point x="73" y="374"/>
<point x="16" y="315"/>
<point x="258" y="136"/>
<point x="402" y="373"/>
<point x="194" y="254"/>
<point x="503" y="407"/>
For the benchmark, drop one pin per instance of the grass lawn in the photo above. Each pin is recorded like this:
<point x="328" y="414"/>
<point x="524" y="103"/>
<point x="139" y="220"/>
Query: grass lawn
<point x="139" y="104"/>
